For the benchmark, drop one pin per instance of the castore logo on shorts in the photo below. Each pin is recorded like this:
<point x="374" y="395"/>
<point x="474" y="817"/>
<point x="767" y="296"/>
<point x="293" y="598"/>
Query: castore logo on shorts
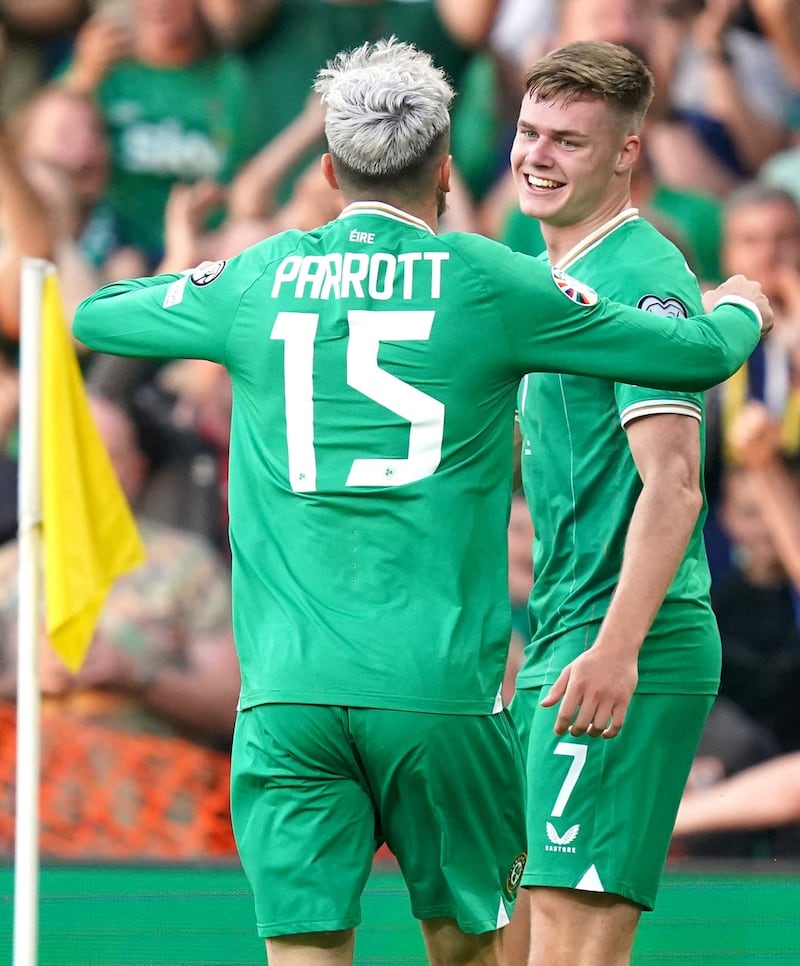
<point x="561" y="843"/>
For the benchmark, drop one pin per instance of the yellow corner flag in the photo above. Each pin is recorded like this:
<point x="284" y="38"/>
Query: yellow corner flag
<point x="89" y="534"/>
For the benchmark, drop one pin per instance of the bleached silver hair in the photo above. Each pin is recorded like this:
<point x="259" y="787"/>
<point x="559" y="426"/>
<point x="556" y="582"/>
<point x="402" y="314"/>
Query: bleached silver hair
<point x="385" y="105"/>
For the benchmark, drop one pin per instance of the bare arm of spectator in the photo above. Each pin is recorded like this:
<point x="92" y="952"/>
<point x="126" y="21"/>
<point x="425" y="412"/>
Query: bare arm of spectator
<point x="203" y="696"/>
<point x="27" y="230"/>
<point x="200" y="696"/>
<point x="235" y="23"/>
<point x="683" y="161"/>
<point x="202" y="693"/>
<point x="99" y="44"/>
<point x="78" y="278"/>
<point x="184" y="219"/>
<point x="780" y="22"/>
<point x="468" y="23"/>
<point x="756" y="137"/>
<point x="252" y="193"/>
<point x="199" y="691"/>
<point x="755" y="440"/>
<point x="764" y="796"/>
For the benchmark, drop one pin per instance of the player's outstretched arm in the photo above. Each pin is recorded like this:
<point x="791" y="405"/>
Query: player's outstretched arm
<point x="555" y="323"/>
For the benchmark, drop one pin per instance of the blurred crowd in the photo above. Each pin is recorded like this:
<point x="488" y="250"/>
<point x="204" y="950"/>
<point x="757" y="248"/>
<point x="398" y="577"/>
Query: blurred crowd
<point x="139" y="136"/>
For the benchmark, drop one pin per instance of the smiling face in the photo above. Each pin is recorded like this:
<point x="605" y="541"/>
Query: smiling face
<point x="571" y="162"/>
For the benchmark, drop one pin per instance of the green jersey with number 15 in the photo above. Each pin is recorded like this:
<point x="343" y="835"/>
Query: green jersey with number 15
<point x="374" y="368"/>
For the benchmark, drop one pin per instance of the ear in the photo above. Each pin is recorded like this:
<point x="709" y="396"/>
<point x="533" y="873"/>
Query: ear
<point x="629" y="153"/>
<point x="326" y="163"/>
<point x="445" y="172"/>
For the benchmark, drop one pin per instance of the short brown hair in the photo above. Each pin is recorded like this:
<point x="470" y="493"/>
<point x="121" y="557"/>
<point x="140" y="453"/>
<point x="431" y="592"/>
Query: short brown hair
<point x="593" y="69"/>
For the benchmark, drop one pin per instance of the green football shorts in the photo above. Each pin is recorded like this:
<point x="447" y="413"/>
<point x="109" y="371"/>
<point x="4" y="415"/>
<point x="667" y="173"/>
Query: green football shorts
<point x="315" y="790"/>
<point x="601" y="811"/>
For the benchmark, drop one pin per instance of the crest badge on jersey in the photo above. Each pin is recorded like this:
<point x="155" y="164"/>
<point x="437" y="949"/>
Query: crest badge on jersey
<point x="670" y="307"/>
<point x="574" y="290"/>
<point x="207" y="272"/>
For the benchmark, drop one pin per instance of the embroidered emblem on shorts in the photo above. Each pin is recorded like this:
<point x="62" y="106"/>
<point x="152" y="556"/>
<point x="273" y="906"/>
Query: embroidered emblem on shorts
<point x="206" y="272"/>
<point x="561" y="843"/>
<point x="574" y="290"/>
<point x="670" y="307"/>
<point x="515" y="872"/>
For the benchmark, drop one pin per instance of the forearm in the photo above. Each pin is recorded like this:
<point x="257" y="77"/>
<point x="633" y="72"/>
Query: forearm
<point x="202" y="704"/>
<point x="765" y="796"/>
<point x="93" y="309"/>
<point x="28" y="231"/>
<point x="25" y="216"/>
<point x="660" y="528"/>
<point x="255" y="186"/>
<point x="194" y="323"/>
<point x="756" y="137"/>
<point x="468" y="23"/>
<point x="780" y="23"/>
<point x="625" y="344"/>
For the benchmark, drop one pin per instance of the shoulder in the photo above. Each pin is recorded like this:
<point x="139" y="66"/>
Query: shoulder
<point x="261" y="255"/>
<point x="486" y="254"/>
<point x="646" y="264"/>
<point x="509" y="281"/>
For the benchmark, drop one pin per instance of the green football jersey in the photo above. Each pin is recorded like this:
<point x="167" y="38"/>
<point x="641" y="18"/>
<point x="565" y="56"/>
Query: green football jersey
<point x="169" y="125"/>
<point x="582" y="483"/>
<point x="374" y="368"/>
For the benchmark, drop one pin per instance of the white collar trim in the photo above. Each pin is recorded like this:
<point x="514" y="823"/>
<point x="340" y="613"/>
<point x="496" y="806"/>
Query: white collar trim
<point x="595" y="237"/>
<point x="386" y="211"/>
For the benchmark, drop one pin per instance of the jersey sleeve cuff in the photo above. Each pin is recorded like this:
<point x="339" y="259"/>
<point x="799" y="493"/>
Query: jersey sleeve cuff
<point x="745" y="304"/>
<point x="659" y="407"/>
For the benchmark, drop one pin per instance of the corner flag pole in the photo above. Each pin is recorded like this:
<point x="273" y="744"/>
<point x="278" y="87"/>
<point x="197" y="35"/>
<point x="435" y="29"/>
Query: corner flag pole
<point x="29" y="508"/>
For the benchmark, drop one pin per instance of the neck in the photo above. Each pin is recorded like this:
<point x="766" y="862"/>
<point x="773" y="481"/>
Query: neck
<point x="561" y="239"/>
<point x="427" y="211"/>
<point x="643" y="184"/>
